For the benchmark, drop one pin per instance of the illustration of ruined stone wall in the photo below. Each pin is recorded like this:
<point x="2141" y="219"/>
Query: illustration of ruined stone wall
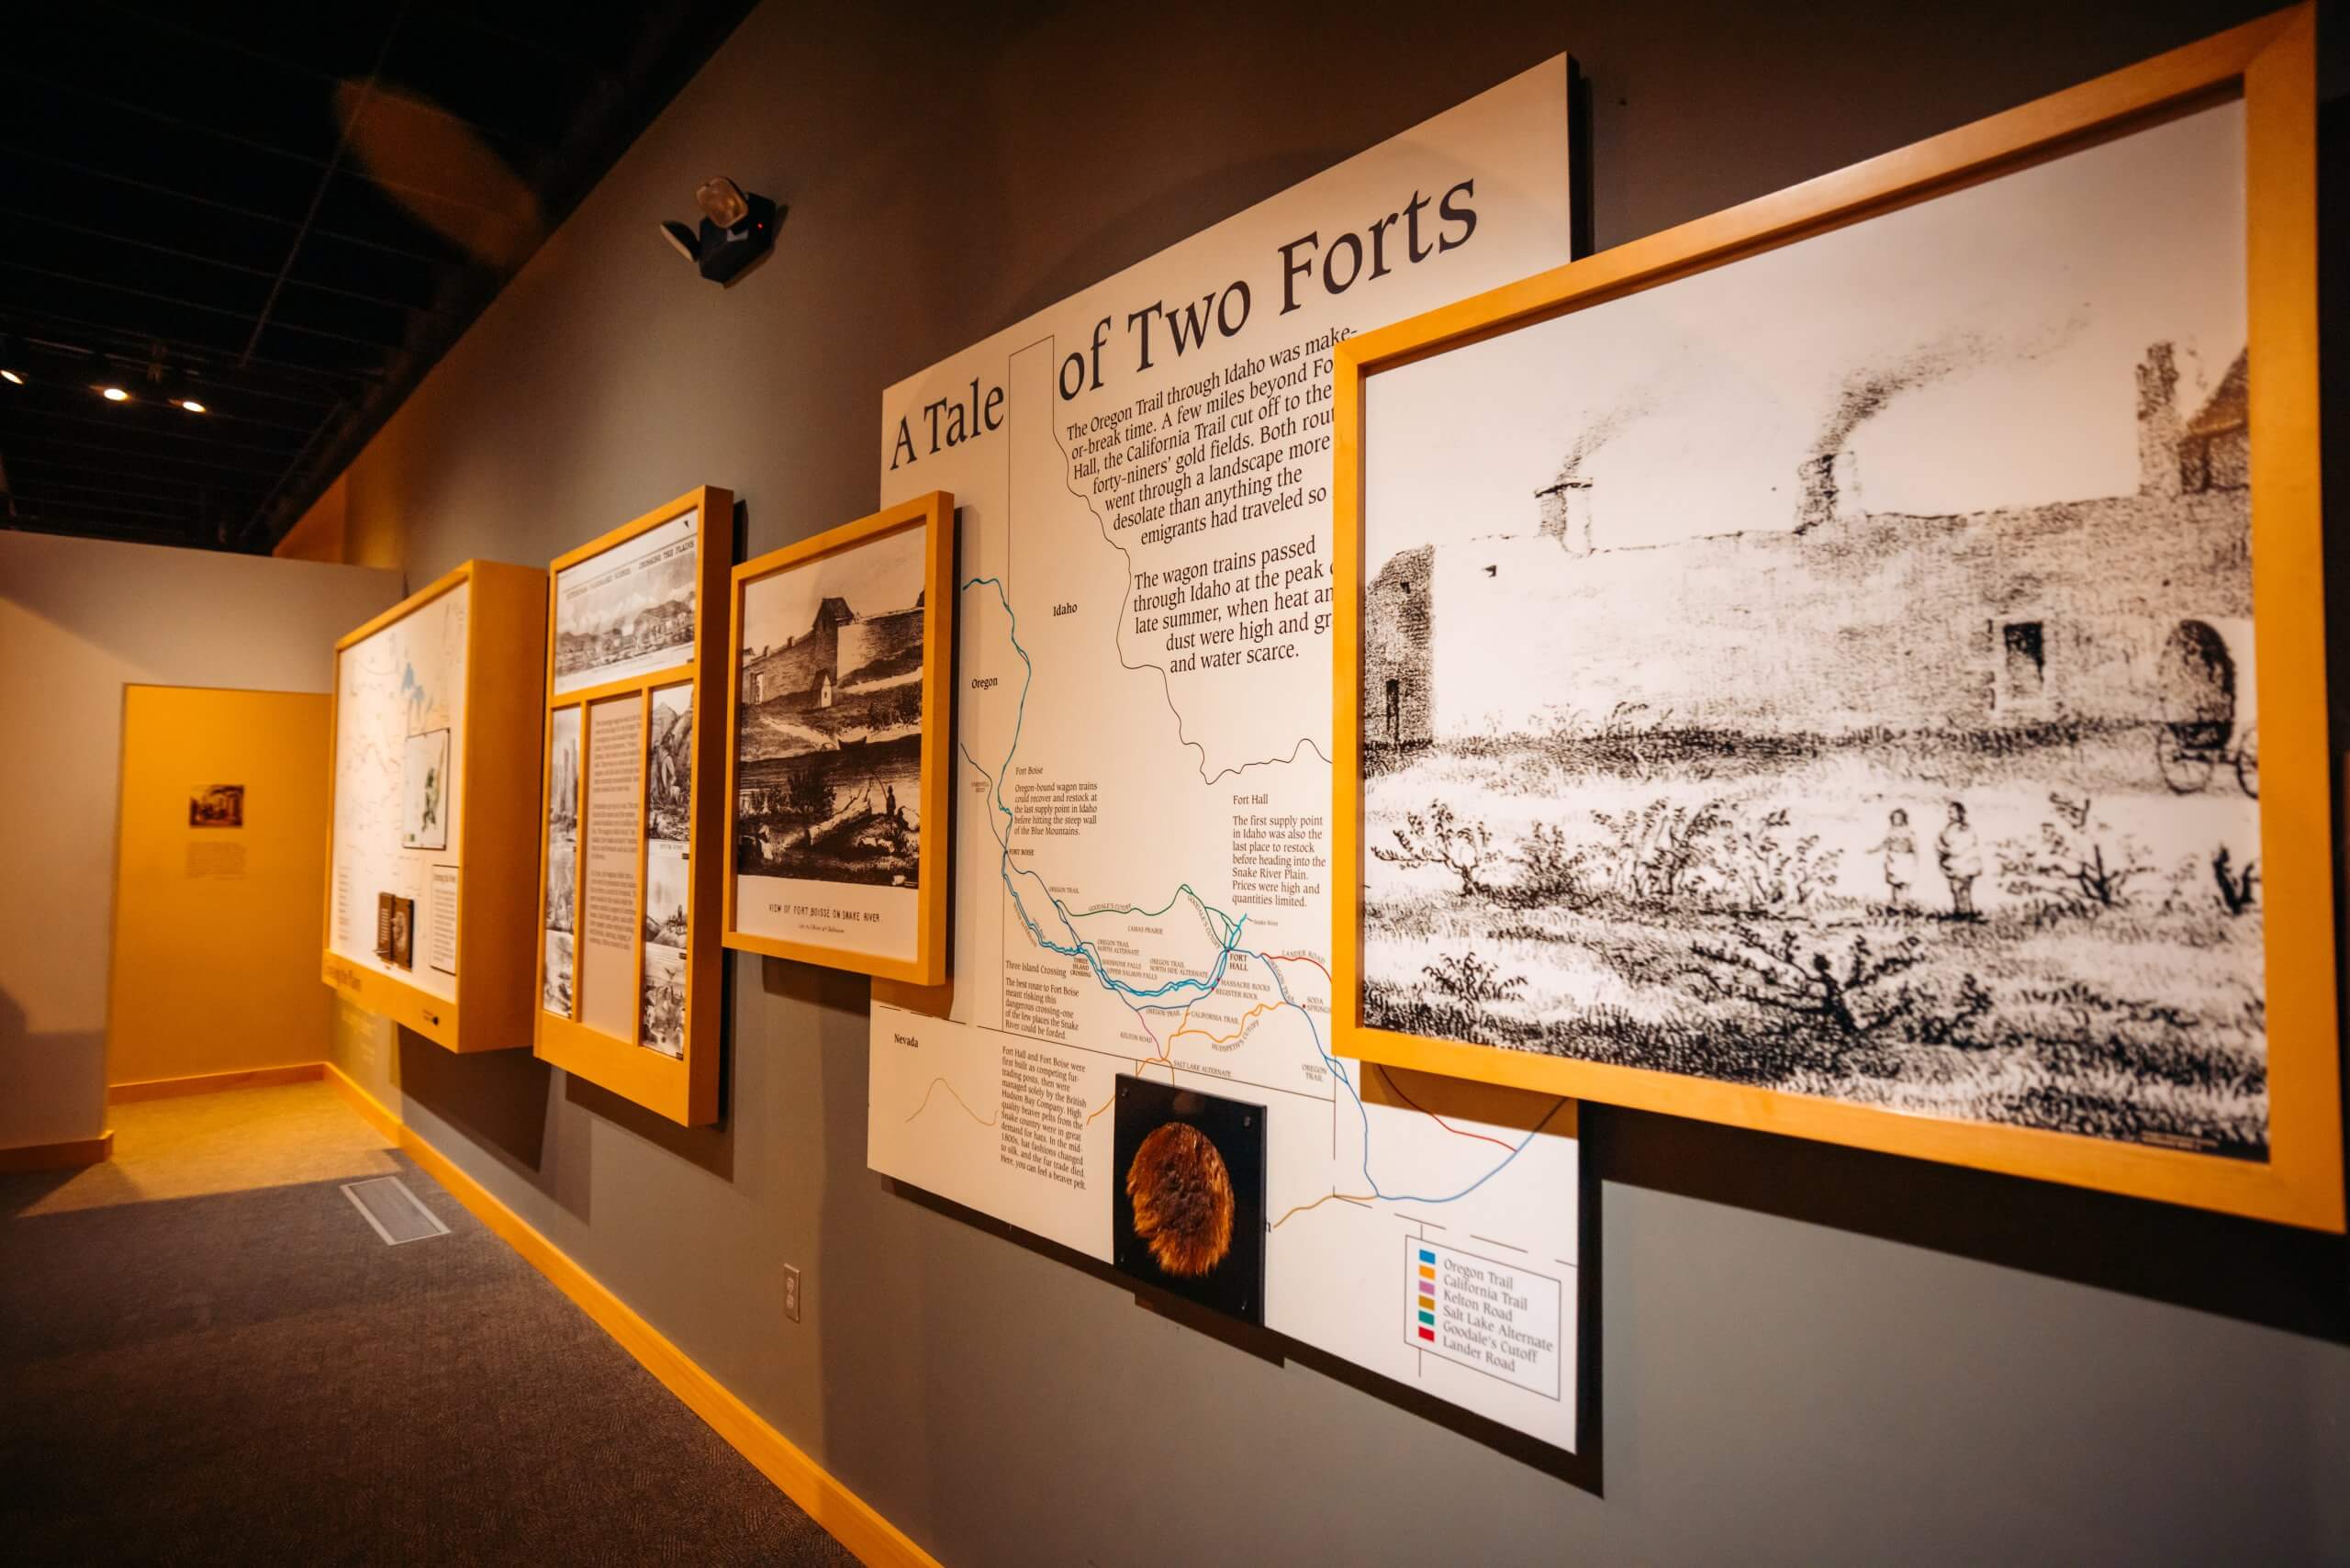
<point x="1882" y="620"/>
<point x="881" y="646"/>
<point x="792" y="671"/>
<point x="1396" y="627"/>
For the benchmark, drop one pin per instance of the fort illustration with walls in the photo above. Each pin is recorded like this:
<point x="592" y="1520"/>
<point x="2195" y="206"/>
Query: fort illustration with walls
<point x="2122" y="609"/>
<point x="839" y="653"/>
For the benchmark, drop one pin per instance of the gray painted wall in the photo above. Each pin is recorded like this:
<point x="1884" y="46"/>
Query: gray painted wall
<point x="1808" y="1355"/>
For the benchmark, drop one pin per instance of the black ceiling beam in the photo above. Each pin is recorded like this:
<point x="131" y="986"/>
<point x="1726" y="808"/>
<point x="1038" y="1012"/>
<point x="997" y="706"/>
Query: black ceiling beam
<point x="92" y="171"/>
<point x="520" y="143"/>
<point x="189" y="352"/>
<point x="181" y="122"/>
<point x="34" y="498"/>
<point x="84" y="280"/>
<point x="152" y="430"/>
<point x="318" y="195"/>
<point x="468" y="13"/>
<point x="26" y="521"/>
<point x="191" y="427"/>
<point x="134" y="457"/>
<point x="115" y="238"/>
<point x="195" y="495"/>
<point x="256" y="516"/>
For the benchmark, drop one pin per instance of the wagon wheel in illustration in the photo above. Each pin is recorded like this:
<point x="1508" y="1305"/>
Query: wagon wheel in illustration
<point x="2248" y="761"/>
<point x="2196" y="683"/>
<point x="2187" y="769"/>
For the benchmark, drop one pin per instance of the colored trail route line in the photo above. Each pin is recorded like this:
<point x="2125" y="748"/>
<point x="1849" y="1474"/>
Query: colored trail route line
<point x="1222" y="929"/>
<point x="1389" y="1079"/>
<point x="1233" y="1038"/>
<point x="938" y="1083"/>
<point x="1302" y="1208"/>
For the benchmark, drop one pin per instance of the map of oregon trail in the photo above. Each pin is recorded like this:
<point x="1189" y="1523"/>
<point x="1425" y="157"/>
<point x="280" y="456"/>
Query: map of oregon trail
<point x="407" y="681"/>
<point x="1142" y="788"/>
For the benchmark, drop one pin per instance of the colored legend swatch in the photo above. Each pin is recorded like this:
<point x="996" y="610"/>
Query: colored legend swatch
<point x="1425" y="1292"/>
<point x="1501" y="1319"/>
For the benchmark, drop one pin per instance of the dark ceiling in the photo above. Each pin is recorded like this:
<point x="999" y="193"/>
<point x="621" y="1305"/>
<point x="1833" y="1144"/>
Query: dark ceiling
<point x="285" y="213"/>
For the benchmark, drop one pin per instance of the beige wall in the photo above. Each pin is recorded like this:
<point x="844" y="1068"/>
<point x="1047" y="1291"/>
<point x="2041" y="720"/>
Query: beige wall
<point x="79" y="620"/>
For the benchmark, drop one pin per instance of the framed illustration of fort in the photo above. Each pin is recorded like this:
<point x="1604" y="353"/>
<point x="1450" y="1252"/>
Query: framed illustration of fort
<point x="1852" y="665"/>
<point x="628" y="963"/>
<point x="837" y="772"/>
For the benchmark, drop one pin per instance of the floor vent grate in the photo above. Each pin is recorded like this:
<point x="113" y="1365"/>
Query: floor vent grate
<point x="396" y="1213"/>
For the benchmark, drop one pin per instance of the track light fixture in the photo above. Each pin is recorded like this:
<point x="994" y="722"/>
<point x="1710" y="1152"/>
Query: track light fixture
<point x="737" y="228"/>
<point x="103" y="379"/>
<point x="180" y="392"/>
<point x="167" y="383"/>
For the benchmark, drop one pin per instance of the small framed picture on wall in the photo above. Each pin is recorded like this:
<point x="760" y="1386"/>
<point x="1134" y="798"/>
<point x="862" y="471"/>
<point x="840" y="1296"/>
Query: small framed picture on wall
<point x="839" y="761"/>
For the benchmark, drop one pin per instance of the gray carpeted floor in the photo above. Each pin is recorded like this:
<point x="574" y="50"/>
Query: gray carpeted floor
<point x="253" y="1377"/>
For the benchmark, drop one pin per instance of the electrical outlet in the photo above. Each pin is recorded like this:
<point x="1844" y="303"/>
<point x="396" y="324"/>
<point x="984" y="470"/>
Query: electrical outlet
<point x="792" y="1293"/>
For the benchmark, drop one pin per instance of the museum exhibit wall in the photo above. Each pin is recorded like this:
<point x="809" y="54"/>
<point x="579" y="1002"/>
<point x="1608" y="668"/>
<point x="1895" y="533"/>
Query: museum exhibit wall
<point x="79" y="620"/>
<point x="216" y="925"/>
<point x="1804" y="1353"/>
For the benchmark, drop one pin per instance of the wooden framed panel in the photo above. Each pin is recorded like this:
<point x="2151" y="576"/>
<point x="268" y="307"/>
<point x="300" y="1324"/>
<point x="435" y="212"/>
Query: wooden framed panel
<point x="628" y="895"/>
<point x="837" y="764"/>
<point x="430" y="790"/>
<point x="1852" y="665"/>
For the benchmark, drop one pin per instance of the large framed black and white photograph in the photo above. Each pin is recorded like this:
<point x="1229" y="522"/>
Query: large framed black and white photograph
<point x="836" y="772"/>
<point x="1852" y="665"/>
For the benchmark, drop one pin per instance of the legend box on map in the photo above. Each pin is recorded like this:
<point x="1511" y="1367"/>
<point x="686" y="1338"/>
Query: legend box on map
<point x="1499" y="1319"/>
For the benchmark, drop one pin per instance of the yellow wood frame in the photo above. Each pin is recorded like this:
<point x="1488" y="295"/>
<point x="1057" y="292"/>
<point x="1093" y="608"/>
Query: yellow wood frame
<point x="934" y="514"/>
<point x="2271" y="64"/>
<point x="683" y="1090"/>
<point x="504" y="631"/>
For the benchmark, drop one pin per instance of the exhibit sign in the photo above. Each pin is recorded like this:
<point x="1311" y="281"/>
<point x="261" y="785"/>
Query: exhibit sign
<point x="1141" y="788"/>
<point x="836" y="777"/>
<point x="627" y="970"/>
<point x="403" y="682"/>
<point x="1852" y="665"/>
<point x="435" y="705"/>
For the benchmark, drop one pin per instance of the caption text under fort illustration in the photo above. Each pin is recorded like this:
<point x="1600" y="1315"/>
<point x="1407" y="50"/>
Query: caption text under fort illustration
<point x="1948" y="809"/>
<point x="829" y="759"/>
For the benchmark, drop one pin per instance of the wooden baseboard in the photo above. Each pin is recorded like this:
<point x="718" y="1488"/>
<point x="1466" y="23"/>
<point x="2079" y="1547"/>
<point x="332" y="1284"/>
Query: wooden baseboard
<point x="71" y="1155"/>
<point x="852" y="1521"/>
<point x="213" y="1082"/>
<point x="372" y="1110"/>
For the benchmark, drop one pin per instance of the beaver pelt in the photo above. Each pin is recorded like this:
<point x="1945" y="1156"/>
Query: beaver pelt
<point x="1183" y="1199"/>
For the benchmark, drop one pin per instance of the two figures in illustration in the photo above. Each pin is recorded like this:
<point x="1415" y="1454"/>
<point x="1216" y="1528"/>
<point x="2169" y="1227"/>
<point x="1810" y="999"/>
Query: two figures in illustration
<point x="1956" y="855"/>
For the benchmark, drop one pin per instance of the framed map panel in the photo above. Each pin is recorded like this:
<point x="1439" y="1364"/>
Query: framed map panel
<point x="435" y="703"/>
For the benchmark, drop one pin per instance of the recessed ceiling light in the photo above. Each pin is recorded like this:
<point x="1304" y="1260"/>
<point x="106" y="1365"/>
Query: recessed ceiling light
<point x="114" y="393"/>
<point x="12" y="378"/>
<point x="189" y="404"/>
